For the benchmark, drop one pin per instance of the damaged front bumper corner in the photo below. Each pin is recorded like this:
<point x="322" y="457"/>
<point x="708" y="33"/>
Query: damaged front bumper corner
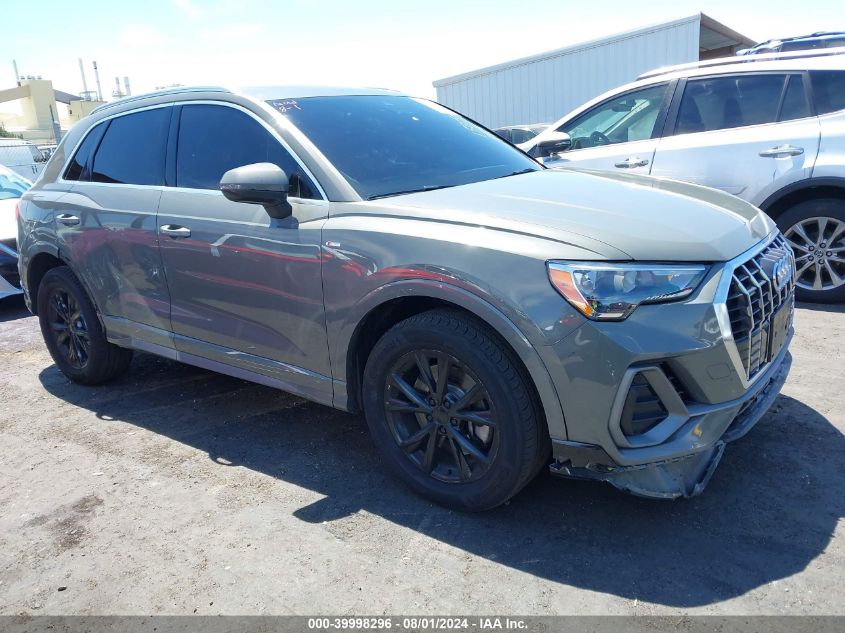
<point x="683" y="476"/>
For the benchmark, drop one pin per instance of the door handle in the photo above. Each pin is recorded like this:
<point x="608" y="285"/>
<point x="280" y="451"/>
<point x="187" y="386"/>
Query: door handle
<point x="67" y="219"/>
<point x="174" y="230"/>
<point x="782" y="151"/>
<point x="633" y="161"/>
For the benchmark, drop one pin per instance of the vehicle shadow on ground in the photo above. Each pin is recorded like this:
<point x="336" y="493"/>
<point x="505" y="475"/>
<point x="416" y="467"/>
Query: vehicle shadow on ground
<point x="771" y="508"/>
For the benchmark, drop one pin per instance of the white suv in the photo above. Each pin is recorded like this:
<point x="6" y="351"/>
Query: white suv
<point x="769" y="129"/>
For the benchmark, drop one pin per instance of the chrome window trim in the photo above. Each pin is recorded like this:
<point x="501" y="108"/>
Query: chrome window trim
<point x="274" y="133"/>
<point x="720" y="305"/>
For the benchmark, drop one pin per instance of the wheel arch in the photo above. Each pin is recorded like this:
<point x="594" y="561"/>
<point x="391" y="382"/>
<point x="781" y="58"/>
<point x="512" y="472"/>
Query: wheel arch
<point x="801" y="191"/>
<point x="38" y="265"/>
<point x="400" y="300"/>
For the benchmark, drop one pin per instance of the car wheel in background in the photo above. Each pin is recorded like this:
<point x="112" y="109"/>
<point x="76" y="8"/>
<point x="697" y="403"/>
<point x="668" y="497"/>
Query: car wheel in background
<point x="73" y="333"/>
<point x="452" y="412"/>
<point x="816" y="231"/>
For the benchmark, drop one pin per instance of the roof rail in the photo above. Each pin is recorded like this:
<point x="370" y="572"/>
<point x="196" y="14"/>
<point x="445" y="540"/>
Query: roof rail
<point x="158" y="93"/>
<point x="745" y="59"/>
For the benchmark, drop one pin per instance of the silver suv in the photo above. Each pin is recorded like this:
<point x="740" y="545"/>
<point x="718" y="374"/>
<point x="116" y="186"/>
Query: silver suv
<point x="767" y="128"/>
<point x="380" y="253"/>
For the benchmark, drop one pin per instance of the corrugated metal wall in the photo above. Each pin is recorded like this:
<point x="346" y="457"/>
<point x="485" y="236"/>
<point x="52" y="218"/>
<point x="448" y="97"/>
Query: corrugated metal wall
<point x="543" y="88"/>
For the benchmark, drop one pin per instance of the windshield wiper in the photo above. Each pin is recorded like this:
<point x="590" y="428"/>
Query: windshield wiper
<point x="401" y="193"/>
<point x="528" y="170"/>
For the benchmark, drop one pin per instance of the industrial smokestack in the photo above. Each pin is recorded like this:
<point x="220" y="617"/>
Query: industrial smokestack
<point x="84" y="81"/>
<point x="97" y="77"/>
<point x="126" y="86"/>
<point x="17" y="76"/>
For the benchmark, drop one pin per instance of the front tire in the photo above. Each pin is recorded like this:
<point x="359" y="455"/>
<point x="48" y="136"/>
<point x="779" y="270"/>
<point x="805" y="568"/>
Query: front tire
<point x="815" y="230"/>
<point x="73" y="333"/>
<point x="452" y="412"/>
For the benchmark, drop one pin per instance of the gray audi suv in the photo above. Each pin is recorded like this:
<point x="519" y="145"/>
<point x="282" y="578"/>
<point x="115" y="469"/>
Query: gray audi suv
<point x="381" y="253"/>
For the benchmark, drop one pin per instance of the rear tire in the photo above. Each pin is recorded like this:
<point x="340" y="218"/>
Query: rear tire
<point x="470" y="441"/>
<point x="73" y="333"/>
<point x="816" y="231"/>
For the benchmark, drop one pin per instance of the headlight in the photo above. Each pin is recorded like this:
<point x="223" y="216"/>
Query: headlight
<point x="610" y="292"/>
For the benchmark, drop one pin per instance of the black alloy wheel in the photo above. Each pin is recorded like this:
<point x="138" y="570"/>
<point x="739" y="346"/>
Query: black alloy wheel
<point x="68" y="328"/>
<point x="441" y="416"/>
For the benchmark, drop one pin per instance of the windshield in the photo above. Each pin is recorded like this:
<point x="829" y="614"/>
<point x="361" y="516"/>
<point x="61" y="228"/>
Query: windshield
<point x="12" y="185"/>
<point x="388" y="145"/>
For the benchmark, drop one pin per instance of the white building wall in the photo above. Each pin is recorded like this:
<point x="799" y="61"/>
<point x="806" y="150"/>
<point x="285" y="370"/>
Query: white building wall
<point x="542" y="88"/>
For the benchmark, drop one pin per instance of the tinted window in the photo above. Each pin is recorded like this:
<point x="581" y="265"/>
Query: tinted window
<point x="795" y="104"/>
<point x="133" y="149"/>
<point x="726" y="102"/>
<point x="628" y="117"/>
<point x="214" y="139"/>
<point x="828" y="90"/>
<point x="386" y="145"/>
<point x="79" y="165"/>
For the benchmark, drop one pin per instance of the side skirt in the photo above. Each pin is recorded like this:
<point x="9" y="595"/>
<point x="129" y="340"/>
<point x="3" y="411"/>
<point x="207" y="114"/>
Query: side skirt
<point x="264" y="371"/>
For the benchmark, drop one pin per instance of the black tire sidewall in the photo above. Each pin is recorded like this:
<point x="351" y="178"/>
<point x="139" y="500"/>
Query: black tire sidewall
<point x="97" y="367"/>
<point x="825" y="207"/>
<point x="506" y="475"/>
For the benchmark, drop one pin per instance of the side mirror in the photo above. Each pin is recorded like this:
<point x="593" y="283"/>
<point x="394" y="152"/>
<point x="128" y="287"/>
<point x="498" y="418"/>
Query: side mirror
<point x="555" y="143"/>
<point x="260" y="183"/>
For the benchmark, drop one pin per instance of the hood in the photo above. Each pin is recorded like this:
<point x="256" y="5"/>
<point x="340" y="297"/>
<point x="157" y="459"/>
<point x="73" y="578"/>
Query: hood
<point x="8" y="222"/>
<point x="615" y="216"/>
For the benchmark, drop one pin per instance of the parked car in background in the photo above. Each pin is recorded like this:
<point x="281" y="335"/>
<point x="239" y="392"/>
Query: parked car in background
<point x="381" y="253"/>
<point x="47" y="151"/>
<point x="814" y="41"/>
<point x="771" y="132"/>
<point x="22" y="157"/>
<point x="520" y="133"/>
<point x="12" y="187"/>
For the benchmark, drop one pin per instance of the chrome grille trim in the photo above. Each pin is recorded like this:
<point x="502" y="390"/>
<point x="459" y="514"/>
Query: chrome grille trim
<point x="751" y="297"/>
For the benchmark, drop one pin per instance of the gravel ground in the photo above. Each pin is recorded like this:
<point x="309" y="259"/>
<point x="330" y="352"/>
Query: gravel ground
<point x="175" y="490"/>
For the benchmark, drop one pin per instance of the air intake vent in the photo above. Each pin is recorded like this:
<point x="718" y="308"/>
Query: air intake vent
<point x="643" y="409"/>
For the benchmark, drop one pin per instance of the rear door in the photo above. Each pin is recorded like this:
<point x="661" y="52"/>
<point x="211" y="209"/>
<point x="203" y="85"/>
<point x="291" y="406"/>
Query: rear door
<point x="620" y="133"/>
<point x="748" y="134"/>
<point x="106" y="224"/>
<point x="246" y="288"/>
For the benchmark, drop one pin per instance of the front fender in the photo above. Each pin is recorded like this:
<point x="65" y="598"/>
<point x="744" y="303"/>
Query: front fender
<point x="342" y="332"/>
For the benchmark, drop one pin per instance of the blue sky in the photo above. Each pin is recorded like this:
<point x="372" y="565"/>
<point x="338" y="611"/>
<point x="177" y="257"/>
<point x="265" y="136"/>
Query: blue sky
<point x="369" y="42"/>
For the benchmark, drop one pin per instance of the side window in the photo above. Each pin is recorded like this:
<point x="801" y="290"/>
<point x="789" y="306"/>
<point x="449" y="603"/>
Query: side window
<point x="133" y="149"/>
<point x="79" y="166"/>
<point x="794" y="104"/>
<point x="628" y="117"/>
<point x="214" y="139"/>
<point x="719" y="103"/>
<point x="828" y="90"/>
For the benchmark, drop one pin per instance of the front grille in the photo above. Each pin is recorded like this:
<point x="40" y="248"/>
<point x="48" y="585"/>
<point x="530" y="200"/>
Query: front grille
<point x="752" y="300"/>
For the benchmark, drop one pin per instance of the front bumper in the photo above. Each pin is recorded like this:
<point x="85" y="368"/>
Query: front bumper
<point x="650" y="402"/>
<point x="684" y="476"/>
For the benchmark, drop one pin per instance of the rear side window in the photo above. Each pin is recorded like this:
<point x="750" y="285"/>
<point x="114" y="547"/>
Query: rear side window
<point x="133" y="149"/>
<point x="79" y="167"/>
<point x="719" y="103"/>
<point x="828" y="90"/>
<point x="214" y="139"/>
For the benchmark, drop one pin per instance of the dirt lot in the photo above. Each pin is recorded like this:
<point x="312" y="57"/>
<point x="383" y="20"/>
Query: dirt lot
<point x="175" y="490"/>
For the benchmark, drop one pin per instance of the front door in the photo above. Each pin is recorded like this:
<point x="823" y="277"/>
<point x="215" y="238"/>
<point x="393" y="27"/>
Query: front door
<point x="747" y="134"/>
<point x="246" y="289"/>
<point x="619" y="134"/>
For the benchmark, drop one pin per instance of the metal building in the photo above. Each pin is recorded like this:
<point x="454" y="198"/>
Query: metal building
<point x="544" y="87"/>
